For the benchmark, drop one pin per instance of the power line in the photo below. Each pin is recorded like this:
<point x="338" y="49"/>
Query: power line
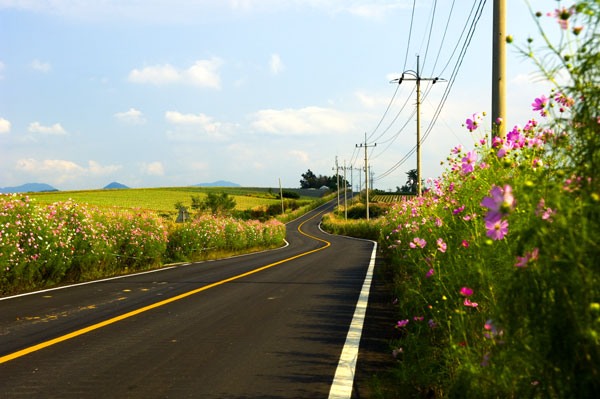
<point x="451" y="81"/>
<point x="412" y="16"/>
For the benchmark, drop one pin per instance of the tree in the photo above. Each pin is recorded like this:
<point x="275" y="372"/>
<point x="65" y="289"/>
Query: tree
<point x="309" y="180"/>
<point x="217" y="204"/>
<point x="411" y="182"/>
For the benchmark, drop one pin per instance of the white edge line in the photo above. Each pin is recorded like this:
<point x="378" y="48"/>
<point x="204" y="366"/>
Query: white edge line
<point x="136" y="274"/>
<point x="344" y="374"/>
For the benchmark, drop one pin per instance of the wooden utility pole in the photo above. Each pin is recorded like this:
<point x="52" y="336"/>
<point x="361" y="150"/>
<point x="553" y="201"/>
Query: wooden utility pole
<point x="281" y="196"/>
<point x="499" y="69"/>
<point x="337" y="174"/>
<point x="366" y="170"/>
<point x="345" y="192"/>
<point x="417" y="77"/>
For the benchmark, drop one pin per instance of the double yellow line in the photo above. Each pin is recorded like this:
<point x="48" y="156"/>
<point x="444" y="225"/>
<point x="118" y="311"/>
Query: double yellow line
<point x="96" y="326"/>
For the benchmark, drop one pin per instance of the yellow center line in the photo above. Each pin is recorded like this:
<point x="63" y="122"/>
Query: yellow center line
<point x="96" y="326"/>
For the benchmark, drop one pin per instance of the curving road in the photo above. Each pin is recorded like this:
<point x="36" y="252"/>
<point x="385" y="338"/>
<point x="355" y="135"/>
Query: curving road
<point x="266" y="325"/>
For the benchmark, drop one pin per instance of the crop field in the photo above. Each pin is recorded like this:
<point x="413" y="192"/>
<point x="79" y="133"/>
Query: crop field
<point x="160" y="199"/>
<point x="387" y="198"/>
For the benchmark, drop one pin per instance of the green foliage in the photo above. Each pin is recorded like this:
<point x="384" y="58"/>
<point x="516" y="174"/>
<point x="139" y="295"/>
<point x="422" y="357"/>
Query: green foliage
<point x="216" y="204"/>
<point x="289" y="194"/>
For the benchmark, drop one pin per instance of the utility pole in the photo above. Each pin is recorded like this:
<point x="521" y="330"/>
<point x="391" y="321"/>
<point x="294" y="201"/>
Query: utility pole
<point x="499" y="68"/>
<point x="337" y="173"/>
<point x="417" y="77"/>
<point x="345" y="192"/>
<point x="352" y="184"/>
<point x="281" y="196"/>
<point x="366" y="170"/>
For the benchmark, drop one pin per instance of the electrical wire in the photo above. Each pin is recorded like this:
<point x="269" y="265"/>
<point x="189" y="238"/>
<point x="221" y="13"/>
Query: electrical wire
<point x="451" y="81"/>
<point x="385" y="113"/>
<point x="412" y="16"/>
<point x="430" y="30"/>
<point x="443" y="38"/>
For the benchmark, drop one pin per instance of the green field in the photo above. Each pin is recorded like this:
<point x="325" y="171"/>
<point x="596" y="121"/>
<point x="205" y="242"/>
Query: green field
<point x="164" y="199"/>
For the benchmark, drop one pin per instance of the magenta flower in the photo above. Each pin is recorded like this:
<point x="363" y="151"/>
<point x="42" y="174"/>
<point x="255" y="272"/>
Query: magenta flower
<point x="458" y="210"/>
<point x="537" y="163"/>
<point x="430" y="273"/>
<point x="496" y="229"/>
<point x="468" y="162"/>
<point x="465" y="244"/>
<point x="402" y="323"/>
<point x="418" y="243"/>
<point x="500" y="203"/>
<point x="529" y="256"/>
<point x="471" y="304"/>
<point x="438" y="222"/>
<point x="396" y="352"/>
<point x="539" y="103"/>
<point x="466" y="291"/>
<point x="457" y="149"/>
<point x="472" y="123"/>
<point x="545" y="212"/>
<point x="418" y="318"/>
<point x="441" y="245"/>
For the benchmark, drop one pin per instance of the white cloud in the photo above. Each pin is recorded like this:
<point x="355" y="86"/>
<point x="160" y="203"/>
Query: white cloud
<point x="309" y="120"/>
<point x="300" y="155"/>
<point x="58" y="170"/>
<point x="156" y="75"/>
<point x="4" y="126"/>
<point x="1" y="70"/>
<point x="98" y="170"/>
<point x="191" y="119"/>
<point x="132" y="116"/>
<point x="371" y="101"/>
<point x="275" y="64"/>
<point x="57" y="129"/>
<point x="153" y="169"/>
<point x="41" y="66"/>
<point x="203" y="73"/>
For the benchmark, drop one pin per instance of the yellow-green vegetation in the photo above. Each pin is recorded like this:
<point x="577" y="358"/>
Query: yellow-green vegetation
<point x="159" y="200"/>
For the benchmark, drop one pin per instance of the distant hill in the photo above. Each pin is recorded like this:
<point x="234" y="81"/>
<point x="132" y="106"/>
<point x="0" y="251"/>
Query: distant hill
<point x="115" y="185"/>
<point x="220" y="183"/>
<point x="28" y="188"/>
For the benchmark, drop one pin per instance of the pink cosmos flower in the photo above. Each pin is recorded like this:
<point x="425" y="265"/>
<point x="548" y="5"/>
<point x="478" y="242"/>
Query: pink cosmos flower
<point x="438" y="222"/>
<point x="499" y="203"/>
<point x="466" y="291"/>
<point x="418" y="243"/>
<point x="529" y="256"/>
<point x="458" y="210"/>
<point x="539" y="103"/>
<point x="418" y="318"/>
<point x="402" y="323"/>
<point x="468" y="162"/>
<point x="472" y="123"/>
<point x="496" y="229"/>
<point x="465" y="244"/>
<point x="457" y="149"/>
<point x="430" y="273"/>
<point x="396" y="352"/>
<point x="471" y="304"/>
<point x="537" y="163"/>
<point x="545" y="212"/>
<point x="441" y="245"/>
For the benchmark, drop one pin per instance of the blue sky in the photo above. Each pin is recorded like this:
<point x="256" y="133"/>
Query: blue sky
<point x="173" y="93"/>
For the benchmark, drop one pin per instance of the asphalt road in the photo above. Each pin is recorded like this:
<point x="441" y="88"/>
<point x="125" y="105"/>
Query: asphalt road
<point x="275" y="333"/>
